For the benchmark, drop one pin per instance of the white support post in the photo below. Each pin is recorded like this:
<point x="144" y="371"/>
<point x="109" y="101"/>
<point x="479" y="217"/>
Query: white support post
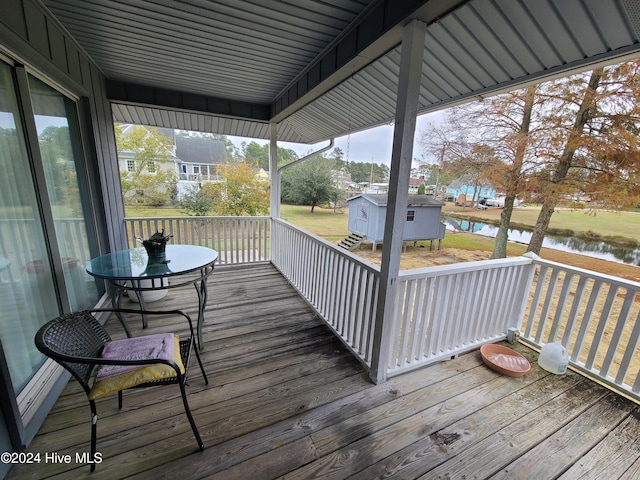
<point x="274" y="175"/>
<point x="413" y="41"/>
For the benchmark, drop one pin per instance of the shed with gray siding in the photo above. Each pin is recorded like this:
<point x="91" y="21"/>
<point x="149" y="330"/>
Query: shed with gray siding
<point x="367" y="213"/>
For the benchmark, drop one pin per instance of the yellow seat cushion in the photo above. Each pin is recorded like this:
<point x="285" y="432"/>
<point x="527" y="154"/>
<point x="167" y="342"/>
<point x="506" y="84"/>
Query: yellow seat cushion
<point x="113" y="378"/>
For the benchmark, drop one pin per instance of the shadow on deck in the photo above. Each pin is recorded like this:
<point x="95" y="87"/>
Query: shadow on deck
<point x="285" y="398"/>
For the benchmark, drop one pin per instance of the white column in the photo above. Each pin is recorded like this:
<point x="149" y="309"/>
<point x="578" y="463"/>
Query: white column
<point x="413" y="43"/>
<point x="273" y="171"/>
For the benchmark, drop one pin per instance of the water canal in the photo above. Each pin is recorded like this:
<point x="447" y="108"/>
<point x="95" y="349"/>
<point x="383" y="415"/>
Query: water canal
<point x="596" y="249"/>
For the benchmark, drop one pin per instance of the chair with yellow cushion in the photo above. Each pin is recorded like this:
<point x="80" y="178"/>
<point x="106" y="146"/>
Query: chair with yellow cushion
<point x="102" y="366"/>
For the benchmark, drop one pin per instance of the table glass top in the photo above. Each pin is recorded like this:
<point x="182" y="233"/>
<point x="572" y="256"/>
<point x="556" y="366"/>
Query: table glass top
<point x="135" y="263"/>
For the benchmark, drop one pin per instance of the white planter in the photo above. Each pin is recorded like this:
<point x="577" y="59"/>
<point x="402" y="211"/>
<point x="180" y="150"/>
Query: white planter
<point x="150" y="295"/>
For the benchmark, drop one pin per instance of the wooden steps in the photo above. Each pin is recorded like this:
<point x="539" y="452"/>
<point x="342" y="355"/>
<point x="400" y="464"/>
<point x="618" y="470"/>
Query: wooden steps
<point x="352" y="241"/>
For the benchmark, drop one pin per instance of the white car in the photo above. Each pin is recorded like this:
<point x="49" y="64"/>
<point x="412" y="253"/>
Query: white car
<point x="498" y="202"/>
<point x="495" y="202"/>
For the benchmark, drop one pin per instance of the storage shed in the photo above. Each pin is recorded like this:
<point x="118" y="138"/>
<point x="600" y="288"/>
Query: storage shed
<point x="367" y="213"/>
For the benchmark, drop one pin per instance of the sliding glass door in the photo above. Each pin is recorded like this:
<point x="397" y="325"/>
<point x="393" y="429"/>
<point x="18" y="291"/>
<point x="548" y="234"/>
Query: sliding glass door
<point x="45" y="235"/>
<point x="27" y="292"/>
<point x="59" y="141"/>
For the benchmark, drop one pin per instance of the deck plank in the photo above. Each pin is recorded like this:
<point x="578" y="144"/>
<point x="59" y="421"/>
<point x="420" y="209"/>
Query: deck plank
<point x="551" y="457"/>
<point x="381" y="435"/>
<point x="286" y="399"/>
<point x="616" y="456"/>
<point x="502" y="447"/>
<point x="446" y="443"/>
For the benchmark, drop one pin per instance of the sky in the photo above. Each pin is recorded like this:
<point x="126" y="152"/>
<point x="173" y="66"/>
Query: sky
<point x="373" y="145"/>
<point x="370" y="145"/>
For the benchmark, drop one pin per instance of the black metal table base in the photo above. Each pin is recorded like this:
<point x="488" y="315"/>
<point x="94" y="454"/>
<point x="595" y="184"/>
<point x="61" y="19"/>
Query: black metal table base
<point x="199" y="283"/>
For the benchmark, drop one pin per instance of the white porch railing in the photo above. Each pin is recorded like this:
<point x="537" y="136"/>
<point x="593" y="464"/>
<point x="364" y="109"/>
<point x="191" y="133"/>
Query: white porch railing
<point x="340" y="286"/>
<point x="440" y="311"/>
<point x="446" y="310"/>
<point x="595" y="316"/>
<point x="238" y="240"/>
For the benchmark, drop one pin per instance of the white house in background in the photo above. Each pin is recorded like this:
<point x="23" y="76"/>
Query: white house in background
<point x="128" y="163"/>
<point x="373" y="188"/>
<point x="126" y="158"/>
<point x="198" y="161"/>
<point x="414" y="185"/>
<point x="194" y="160"/>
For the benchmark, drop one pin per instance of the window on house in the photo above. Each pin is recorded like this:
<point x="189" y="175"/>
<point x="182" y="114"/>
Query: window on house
<point x="151" y="166"/>
<point x="196" y="169"/>
<point x="411" y="215"/>
<point x="131" y="165"/>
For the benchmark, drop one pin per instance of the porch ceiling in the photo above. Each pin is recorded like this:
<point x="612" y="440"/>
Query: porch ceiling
<point x="321" y="69"/>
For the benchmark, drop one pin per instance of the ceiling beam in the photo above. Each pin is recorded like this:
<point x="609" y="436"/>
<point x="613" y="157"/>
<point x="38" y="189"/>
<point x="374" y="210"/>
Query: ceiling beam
<point x="143" y="95"/>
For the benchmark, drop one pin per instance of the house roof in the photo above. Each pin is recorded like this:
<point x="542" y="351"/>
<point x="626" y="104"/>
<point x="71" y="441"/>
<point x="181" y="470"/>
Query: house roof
<point x="200" y="150"/>
<point x="323" y="69"/>
<point x="381" y="200"/>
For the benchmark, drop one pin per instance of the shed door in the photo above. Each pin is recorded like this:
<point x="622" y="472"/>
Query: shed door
<point x="362" y="218"/>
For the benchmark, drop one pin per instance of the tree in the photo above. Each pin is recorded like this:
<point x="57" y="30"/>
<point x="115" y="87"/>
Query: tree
<point x="196" y="201"/>
<point x="504" y="123"/>
<point x="57" y="140"/>
<point x="565" y="160"/>
<point x="336" y="197"/>
<point x="241" y="193"/>
<point x="461" y="153"/>
<point x="146" y="181"/>
<point x="59" y="167"/>
<point x="498" y="126"/>
<point x="258" y="155"/>
<point x="309" y="183"/>
<point x="368" y="172"/>
<point x="592" y="141"/>
<point x="338" y="155"/>
<point x="519" y="139"/>
<point x="558" y="139"/>
<point x="433" y="174"/>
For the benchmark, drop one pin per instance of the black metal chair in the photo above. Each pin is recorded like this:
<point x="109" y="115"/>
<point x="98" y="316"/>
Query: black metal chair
<point x="77" y="342"/>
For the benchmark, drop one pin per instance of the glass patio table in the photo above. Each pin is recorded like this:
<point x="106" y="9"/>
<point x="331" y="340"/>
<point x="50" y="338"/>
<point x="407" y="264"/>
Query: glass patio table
<point x="134" y="270"/>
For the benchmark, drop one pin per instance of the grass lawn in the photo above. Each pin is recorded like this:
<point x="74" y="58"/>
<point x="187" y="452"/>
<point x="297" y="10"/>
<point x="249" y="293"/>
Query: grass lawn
<point x="151" y="212"/>
<point x="323" y="221"/>
<point x="458" y="247"/>
<point x="606" y="224"/>
<point x="333" y="226"/>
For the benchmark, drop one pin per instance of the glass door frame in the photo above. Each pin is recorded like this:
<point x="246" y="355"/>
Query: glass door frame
<point x="23" y="411"/>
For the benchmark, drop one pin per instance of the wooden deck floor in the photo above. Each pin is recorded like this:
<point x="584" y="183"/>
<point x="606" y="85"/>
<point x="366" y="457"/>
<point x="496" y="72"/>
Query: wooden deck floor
<point x="286" y="399"/>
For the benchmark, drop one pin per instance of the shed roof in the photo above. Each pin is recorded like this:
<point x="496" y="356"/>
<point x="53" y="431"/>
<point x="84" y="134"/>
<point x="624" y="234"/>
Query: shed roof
<point x="381" y="200"/>
<point x="322" y="69"/>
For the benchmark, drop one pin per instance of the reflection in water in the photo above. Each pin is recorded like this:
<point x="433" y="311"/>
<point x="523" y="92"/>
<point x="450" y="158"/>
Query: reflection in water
<point x="602" y="250"/>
